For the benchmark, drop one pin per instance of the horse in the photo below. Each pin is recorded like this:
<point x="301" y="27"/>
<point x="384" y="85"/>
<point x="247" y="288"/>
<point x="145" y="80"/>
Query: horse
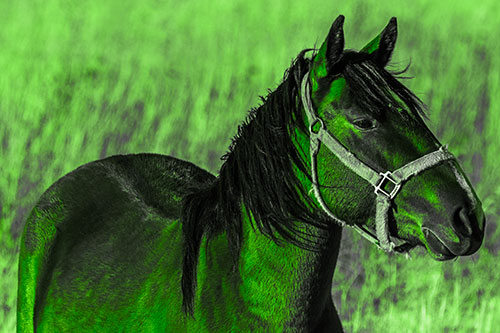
<point x="148" y="242"/>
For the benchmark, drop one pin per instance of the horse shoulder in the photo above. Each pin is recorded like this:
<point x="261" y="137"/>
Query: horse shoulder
<point x="106" y="235"/>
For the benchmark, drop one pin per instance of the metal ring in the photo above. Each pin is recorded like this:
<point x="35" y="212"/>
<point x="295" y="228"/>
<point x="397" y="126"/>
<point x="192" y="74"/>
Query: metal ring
<point x="311" y="125"/>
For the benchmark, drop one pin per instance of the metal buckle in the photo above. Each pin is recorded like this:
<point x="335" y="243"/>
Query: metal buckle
<point x="314" y="122"/>
<point x="379" y="188"/>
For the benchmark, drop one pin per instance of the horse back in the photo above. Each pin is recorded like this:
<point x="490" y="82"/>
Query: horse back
<point x="103" y="246"/>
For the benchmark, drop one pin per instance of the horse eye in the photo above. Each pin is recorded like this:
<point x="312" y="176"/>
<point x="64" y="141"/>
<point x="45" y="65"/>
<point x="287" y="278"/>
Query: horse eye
<point x="364" y="123"/>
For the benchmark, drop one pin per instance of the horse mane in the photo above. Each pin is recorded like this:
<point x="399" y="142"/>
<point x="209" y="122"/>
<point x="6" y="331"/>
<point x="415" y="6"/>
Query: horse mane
<point x="257" y="174"/>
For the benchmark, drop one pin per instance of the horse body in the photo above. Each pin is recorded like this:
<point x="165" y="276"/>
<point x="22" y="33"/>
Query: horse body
<point x="101" y="241"/>
<point x="103" y="251"/>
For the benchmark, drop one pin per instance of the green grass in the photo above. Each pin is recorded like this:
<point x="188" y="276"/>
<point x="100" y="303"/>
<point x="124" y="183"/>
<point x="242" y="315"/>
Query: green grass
<point x="83" y="80"/>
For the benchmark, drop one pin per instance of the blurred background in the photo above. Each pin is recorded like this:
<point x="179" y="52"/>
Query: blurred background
<point x="82" y="80"/>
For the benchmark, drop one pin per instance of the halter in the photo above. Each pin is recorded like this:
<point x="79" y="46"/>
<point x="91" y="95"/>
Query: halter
<point x="378" y="180"/>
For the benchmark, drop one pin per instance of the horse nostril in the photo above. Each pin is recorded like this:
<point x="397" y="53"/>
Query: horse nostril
<point x="461" y="222"/>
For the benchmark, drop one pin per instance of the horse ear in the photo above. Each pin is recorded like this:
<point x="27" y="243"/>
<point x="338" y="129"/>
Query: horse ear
<point x="381" y="47"/>
<point x="330" y="51"/>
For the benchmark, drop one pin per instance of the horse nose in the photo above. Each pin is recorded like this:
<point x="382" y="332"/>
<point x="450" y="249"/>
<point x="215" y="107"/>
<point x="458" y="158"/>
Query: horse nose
<point x="462" y="222"/>
<point x="468" y="224"/>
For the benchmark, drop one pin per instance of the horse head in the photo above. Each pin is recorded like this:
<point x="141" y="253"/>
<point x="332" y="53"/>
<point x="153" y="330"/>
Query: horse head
<point x="374" y="161"/>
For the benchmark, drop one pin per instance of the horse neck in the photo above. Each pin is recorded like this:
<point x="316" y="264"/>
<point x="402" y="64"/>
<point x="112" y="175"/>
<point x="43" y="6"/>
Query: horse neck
<point x="286" y="279"/>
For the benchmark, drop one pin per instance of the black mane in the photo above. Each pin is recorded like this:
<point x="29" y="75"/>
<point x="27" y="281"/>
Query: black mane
<point x="258" y="169"/>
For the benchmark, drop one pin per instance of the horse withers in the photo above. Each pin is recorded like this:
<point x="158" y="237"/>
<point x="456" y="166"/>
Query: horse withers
<point x="149" y="242"/>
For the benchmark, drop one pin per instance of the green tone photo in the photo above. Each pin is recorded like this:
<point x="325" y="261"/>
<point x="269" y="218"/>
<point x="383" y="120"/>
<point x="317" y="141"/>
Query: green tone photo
<point x="85" y="81"/>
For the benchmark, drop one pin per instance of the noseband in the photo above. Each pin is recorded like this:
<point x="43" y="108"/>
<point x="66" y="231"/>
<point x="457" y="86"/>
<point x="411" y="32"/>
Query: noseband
<point x="378" y="180"/>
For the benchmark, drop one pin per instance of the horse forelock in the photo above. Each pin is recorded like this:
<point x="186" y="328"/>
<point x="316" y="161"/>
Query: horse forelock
<point x="374" y="89"/>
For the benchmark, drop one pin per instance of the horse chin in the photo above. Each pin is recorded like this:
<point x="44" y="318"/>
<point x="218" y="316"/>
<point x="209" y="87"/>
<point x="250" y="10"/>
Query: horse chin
<point x="444" y="257"/>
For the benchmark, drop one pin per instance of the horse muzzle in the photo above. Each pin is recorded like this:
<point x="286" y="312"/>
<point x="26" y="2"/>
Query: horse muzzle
<point x="463" y="237"/>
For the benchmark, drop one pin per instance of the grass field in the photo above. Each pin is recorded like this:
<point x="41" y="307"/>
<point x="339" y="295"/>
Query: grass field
<point x="83" y="80"/>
